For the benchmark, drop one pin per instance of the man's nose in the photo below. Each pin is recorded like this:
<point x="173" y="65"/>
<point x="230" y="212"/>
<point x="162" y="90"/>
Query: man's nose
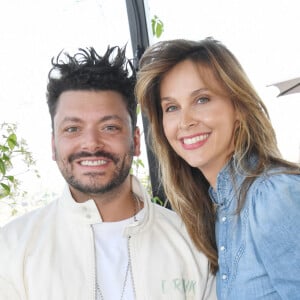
<point x="92" y="141"/>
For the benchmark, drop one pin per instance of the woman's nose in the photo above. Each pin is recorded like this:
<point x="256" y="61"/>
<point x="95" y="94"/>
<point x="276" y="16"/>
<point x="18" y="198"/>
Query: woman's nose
<point x="187" y="119"/>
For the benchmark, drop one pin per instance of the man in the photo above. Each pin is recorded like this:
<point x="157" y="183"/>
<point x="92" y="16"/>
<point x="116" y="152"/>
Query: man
<point x="104" y="238"/>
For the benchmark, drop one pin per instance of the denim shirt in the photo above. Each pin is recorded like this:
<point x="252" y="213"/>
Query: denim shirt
<point x="259" y="248"/>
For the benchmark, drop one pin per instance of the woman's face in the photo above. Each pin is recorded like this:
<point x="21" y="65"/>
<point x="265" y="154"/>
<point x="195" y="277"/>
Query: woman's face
<point x="198" y="122"/>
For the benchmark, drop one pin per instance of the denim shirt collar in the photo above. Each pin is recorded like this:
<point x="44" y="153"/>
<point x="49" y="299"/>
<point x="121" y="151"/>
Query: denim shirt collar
<point x="228" y="175"/>
<point x="222" y="184"/>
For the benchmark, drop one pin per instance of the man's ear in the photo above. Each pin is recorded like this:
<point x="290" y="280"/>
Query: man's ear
<point x="137" y="141"/>
<point x="53" y="147"/>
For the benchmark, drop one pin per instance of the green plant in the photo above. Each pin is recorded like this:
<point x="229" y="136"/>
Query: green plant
<point x="157" y="26"/>
<point x="14" y="155"/>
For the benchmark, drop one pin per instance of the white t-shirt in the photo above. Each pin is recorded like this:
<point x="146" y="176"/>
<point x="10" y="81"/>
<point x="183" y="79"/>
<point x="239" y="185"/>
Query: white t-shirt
<point x="112" y="259"/>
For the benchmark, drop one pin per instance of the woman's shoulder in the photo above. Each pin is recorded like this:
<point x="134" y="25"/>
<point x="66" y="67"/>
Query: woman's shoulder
<point x="274" y="196"/>
<point x="276" y="181"/>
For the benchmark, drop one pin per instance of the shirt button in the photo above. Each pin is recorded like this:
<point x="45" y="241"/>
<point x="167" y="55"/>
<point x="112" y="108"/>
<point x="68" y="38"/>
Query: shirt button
<point x="224" y="276"/>
<point x="224" y="219"/>
<point x="222" y="248"/>
<point x="88" y="216"/>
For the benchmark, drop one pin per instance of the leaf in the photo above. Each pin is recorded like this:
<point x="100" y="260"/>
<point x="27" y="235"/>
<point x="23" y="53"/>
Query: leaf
<point x="140" y="162"/>
<point x="12" y="141"/>
<point x="10" y="178"/>
<point x="157" y="26"/>
<point x="138" y="109"/>
<point x="159" y="29"/>
<point x="2" y="167"/>
<point x="157" y="200"/>
<point x="3" y="194"/>
<point x="5" y="187"/>
<point x="6" y="158"/>
<point x="153" y="22"/>
<point x="3" y="148"/>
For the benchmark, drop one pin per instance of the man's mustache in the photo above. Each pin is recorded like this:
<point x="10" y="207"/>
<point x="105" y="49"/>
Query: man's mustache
<point x="84" y="154"/>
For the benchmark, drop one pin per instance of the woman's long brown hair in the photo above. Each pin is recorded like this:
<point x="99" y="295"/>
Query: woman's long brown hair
<point x="186" y="188"/>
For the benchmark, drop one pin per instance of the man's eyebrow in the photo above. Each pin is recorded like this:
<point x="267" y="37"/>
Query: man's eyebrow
<point x="103" y="119"/>
<point x="71" y="119"/>
<point x="110" y="117"/>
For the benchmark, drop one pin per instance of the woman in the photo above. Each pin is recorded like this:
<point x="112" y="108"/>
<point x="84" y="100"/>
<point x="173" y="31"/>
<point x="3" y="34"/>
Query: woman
<point x="221" y="168"/>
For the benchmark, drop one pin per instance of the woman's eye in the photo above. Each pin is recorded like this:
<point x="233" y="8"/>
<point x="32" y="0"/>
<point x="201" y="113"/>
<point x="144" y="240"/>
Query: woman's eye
<point x="202" y="100"/>
<point x="170" y="108"/>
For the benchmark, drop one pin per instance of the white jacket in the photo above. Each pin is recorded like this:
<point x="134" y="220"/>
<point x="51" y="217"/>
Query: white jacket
<point x="49" y="254"/>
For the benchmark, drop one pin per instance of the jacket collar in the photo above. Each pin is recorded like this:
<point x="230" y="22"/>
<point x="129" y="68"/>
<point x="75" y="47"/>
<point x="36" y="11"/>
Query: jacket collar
<point x="87" y="212"/>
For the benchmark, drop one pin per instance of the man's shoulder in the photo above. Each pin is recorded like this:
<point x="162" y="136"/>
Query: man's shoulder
<point x="167" y="215"/>
<point x="164" y="210"/>
<point x="168" y="222"/>
<point x="27" y="223"/>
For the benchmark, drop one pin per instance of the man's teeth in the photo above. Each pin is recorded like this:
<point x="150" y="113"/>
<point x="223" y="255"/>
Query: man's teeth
<point x="193" y="140"/>
<point x="93" y="162"/>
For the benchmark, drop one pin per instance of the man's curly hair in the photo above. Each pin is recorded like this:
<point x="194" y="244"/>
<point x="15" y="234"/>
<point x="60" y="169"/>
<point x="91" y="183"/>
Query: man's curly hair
<point x="87" y="70"/>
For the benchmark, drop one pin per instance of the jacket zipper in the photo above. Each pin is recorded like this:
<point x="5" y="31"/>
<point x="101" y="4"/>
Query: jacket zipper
<point x="94" y="262"/>
<point x="130" y="266"/>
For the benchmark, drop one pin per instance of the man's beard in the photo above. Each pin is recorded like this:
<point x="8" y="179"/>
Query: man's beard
<point x="94" y="187"/>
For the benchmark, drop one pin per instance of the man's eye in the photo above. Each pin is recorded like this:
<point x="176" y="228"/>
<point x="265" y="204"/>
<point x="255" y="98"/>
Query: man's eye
<point x="111" y="128"/>
<point x="71" y="129"/>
